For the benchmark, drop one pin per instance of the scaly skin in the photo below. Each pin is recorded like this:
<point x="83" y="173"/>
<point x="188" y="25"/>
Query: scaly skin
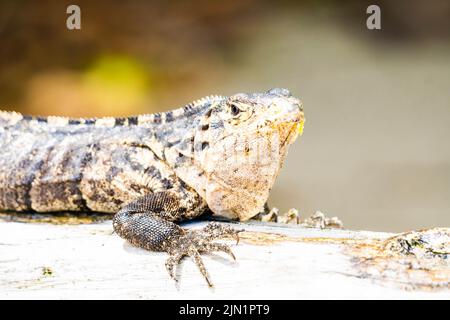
<point x="218" y="154"/>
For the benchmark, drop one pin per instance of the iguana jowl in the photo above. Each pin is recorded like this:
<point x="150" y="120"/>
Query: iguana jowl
<point x="217" y="154"/>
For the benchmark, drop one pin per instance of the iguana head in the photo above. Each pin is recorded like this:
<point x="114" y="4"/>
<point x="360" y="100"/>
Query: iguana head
<point x="240" y="146"/>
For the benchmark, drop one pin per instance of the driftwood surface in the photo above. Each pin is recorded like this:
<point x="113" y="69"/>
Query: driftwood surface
<point x="274" y="261"/>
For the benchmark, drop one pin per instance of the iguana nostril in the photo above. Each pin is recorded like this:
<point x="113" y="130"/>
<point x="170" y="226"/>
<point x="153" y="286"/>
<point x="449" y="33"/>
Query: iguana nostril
<point x="280" y="92"/>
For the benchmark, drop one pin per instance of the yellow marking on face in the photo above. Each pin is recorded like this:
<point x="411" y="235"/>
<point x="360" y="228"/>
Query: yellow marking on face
<point x="300" y="127"/>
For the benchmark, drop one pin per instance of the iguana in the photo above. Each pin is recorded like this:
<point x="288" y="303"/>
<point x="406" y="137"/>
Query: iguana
<point x="218" y="154"/>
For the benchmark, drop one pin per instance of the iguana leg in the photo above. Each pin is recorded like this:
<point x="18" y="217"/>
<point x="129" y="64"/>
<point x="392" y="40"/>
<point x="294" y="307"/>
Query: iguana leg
<point x="148" y="223"/>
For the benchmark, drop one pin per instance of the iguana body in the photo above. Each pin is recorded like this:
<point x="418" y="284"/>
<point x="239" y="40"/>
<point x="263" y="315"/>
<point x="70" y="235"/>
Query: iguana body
<point x="219" y="153"/>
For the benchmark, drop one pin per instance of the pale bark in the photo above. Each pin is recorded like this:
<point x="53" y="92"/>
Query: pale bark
<point x="40" y="260"/>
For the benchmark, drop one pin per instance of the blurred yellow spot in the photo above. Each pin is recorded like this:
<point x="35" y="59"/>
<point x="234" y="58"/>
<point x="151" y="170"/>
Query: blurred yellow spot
<point x="116" y="84"/>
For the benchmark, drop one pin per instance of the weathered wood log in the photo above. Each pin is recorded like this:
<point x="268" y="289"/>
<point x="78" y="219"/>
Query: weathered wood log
<point x="274" y="261"/>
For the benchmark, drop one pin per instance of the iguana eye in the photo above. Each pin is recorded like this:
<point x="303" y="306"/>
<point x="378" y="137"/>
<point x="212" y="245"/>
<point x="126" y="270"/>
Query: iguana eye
<point x="235" y="110"/>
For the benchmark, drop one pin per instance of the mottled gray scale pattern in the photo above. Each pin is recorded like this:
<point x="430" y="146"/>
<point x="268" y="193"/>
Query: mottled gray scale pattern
<point x="61" y="164"/>
<point x="21" y="159"/>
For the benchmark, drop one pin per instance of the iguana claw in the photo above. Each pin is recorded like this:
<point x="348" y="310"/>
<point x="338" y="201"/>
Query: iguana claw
<point x="194" y="242"/>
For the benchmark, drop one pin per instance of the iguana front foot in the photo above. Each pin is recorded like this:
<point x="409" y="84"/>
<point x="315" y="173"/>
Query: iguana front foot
<point x="147" y="223"/>
<point x="194" y="242"/>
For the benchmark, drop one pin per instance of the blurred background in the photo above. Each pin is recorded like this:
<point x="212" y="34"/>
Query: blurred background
<point x="376" y="149"/>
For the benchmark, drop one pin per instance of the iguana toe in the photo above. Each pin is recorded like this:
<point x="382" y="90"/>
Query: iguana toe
<point x="195" y="242"/>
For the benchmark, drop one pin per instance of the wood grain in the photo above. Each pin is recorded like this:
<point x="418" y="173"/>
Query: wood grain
<point x="87" y="261"/>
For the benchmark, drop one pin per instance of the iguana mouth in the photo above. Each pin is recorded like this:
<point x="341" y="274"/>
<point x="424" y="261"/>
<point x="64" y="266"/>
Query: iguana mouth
<point x="294" y="126"/>
<point x="295" y="130"/>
